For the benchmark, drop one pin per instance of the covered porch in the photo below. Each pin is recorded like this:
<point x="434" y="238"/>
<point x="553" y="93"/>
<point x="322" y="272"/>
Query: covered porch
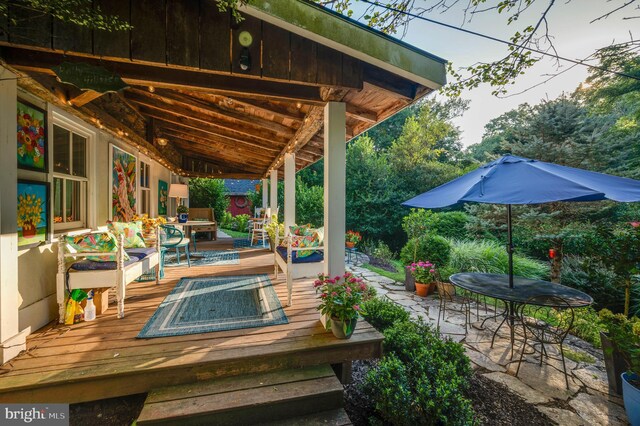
<point x="104" y="359"/>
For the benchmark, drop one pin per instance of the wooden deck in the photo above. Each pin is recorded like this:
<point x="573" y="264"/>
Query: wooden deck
<point x="103" y="358"/>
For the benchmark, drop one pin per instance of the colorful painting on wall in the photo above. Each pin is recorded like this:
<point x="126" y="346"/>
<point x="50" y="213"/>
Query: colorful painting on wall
<point x="32" y="137"/>
<point x="163" y="197"/>
<point x="123" y="185"/>
<point x="33" y="212"/>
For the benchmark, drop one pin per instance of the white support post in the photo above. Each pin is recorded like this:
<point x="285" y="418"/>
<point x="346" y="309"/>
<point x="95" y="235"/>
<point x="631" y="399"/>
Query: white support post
<point x="273" y="202"/>
<point x="289" y="191"/>
<point x="265" y="194"/>
<point x="334" y="187"/>
<point x="12" y="341"/>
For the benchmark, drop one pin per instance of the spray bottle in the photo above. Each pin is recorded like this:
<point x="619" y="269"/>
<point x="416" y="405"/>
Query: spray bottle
<point x="90" y="309"/>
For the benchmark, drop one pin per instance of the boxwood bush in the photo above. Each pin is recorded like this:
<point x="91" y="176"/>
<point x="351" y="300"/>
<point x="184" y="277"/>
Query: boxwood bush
<point x="433" y="248"/>
<point x="422" y="378"/>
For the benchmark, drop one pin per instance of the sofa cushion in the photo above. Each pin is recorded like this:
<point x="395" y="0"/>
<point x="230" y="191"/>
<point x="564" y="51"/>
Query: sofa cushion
<point x="133" y="256"/>
<point x="315" y="256"/>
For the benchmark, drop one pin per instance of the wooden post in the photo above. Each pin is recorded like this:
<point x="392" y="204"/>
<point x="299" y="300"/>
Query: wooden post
<point x="120" y="276"/>
<point x="273" y="202"/>
<point x="265" y="194"/>
<point x="61" y="278"/>
<point x="289" y="191"/>
<point x="334" y="187"/>
<point x="11" y="340"/>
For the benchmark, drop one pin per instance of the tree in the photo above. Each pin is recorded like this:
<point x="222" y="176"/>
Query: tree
<point x="211" y="193"/>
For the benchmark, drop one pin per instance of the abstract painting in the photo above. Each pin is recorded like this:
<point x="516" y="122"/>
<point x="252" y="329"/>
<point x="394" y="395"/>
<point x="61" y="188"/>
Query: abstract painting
<point x="32" y="137"/>
<point x="163" y="196"/>
<point x="33" y="212"/>
<point x="123" y="185"/>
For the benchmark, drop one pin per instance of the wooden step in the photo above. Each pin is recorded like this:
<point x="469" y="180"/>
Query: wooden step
<point x="337" y="417"/>
<point x="245" y="399"/>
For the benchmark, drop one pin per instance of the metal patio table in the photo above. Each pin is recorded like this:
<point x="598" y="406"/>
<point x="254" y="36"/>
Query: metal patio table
<point x="497" y="287"/>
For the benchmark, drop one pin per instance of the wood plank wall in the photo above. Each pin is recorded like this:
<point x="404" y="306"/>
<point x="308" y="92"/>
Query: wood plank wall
<point x="191" y="34"/>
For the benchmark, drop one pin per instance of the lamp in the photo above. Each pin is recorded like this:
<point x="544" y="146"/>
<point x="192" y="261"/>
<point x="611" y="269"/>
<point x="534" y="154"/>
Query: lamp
<point x="179" y="191"/>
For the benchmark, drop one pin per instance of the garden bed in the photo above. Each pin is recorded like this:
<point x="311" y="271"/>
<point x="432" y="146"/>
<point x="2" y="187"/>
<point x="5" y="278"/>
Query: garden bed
<point x="494" y="404"/>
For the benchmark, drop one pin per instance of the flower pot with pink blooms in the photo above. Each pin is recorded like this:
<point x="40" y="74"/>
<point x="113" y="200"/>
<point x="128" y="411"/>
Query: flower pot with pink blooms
<point x="425" y="275"/>
<point x="341" y="299"/>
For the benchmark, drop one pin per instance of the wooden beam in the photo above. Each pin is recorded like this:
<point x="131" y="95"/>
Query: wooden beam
<point x="362" y="114"/>
<point x="398" y="86"/>
<point x="221" y="163"/>
<point x="142" y="74"/>
<point x="219" y="113"/>
<point x="85" y="97"/>
<point x="288" y="113"/>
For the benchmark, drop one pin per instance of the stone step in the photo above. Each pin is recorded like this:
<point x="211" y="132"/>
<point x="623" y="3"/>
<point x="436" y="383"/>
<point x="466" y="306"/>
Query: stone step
<point x="246" y="399"/>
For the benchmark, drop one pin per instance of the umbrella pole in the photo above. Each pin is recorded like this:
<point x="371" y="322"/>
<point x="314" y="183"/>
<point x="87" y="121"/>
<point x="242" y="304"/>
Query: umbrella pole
<point x="510" y="253"/>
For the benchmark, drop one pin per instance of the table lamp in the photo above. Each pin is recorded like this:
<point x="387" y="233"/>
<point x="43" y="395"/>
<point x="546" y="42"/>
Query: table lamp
<point x="180" y="191"/>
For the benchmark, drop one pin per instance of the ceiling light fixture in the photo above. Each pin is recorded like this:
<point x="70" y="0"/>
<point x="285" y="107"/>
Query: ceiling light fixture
<point x="162" y="141"/>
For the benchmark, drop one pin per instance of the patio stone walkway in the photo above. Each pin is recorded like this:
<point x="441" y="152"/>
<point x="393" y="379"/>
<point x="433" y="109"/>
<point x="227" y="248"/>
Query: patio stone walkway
<point x="586" y="402"/>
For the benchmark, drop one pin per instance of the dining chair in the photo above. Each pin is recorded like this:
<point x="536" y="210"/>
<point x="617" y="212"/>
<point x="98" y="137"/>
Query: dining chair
<point x="541" y="333"/>
<point x="454" y="295"/>
<point x="175" y="239"/>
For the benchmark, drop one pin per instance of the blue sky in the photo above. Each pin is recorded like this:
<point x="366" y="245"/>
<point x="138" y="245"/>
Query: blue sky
<point x="574" y="37"/>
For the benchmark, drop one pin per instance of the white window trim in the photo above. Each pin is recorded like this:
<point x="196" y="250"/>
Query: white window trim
<point x="63" y="119"/>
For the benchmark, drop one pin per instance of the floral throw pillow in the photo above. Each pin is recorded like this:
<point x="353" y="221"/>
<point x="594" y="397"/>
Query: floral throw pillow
<point x="300" y="230"/>
<point x="96" y="242"/>
<point x="313" y="240"/>
<point x="132" y="232"/>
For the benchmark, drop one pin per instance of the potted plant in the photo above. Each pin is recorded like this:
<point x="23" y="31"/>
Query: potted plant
<point x="425" y="276"/>
<point x="183" y="213"/>
<point x="340" y="301"/>
<point x="272" y="227"/>
<point x="624" y="335"/>
<point x="352" y="238"/>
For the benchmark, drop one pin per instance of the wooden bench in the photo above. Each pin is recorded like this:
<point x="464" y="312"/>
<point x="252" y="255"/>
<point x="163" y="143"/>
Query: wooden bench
<point x="119" y="276"/>
<point x="207" y="214"/>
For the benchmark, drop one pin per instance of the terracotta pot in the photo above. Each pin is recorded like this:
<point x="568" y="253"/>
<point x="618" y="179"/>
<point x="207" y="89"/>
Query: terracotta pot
<point x="350" y="244"/>
<point x="29" y="233"/>
<point x="446" y="289"/>
<point x="340" y="331"/>
<point x="423" y="290"/>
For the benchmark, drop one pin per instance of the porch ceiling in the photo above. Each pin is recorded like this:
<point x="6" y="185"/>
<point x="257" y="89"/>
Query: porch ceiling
<point x="219" y="121"/>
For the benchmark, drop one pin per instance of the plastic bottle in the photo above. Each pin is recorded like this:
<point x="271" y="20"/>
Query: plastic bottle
<point x="90" y="309"/>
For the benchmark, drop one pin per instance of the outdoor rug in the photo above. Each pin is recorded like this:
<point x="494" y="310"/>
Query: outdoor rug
<point x="201" y="258"/>
<point x="208" y="304"/>
<point x="246" y="243"/>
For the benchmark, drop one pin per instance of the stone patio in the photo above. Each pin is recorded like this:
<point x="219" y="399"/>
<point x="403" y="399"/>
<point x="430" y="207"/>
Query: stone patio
<point x="586" y="402"/>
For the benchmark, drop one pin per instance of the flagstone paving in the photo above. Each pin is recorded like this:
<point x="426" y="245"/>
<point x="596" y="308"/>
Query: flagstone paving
<point x="586" y="402"/>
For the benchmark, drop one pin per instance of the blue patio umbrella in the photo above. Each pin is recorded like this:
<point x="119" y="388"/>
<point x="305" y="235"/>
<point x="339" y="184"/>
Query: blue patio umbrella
<point x="515" y="180"/>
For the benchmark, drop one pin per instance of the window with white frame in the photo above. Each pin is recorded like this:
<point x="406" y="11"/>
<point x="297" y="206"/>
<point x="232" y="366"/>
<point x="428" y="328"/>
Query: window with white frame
<point x="70" y="179"/>
<point x="145" y="188"/>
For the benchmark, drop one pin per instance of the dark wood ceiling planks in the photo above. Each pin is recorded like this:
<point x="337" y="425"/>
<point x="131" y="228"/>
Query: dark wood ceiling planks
<point x="181" y="60"/>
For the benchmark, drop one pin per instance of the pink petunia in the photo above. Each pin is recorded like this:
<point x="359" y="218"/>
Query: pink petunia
<point x="432" y="270"/>
<point x="634" y="224"/>
<point x="356" y="307"/>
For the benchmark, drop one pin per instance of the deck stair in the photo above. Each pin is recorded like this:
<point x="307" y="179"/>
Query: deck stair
<point x="309" y="395"/>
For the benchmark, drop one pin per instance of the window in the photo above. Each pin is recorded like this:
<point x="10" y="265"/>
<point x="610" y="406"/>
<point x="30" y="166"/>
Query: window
<point x="145" y="188"/>
<point x="69" y="179"/>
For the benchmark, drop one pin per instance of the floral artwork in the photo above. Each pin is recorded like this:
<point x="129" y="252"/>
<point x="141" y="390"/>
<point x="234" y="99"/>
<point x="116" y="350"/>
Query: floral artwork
<point x="33" y="212"/>
<point x="163" y="197"/>
<point x="123" y="185"/>
<point x="32" y="137"/>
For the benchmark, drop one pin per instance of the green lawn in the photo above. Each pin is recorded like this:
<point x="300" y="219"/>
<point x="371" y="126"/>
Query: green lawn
<point x="235" y="234"/>
<point x="397" y="276"/>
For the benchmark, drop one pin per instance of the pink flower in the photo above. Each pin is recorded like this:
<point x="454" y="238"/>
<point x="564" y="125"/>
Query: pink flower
<point x="432" y="270"/>
<point x="358" y="280"/>
<point x="337" y="278"/>
<point x="363" y="286"/>
<point x="317" y="283"/>
<point x="413" y="269"/>
<point x="323" y="295"/>
<point x="356" y="307"/>
<point x="348" y="290"/>
<point x="334" y="294"/>
<point x="634" y="224"/>
<point x="421" y="263"/>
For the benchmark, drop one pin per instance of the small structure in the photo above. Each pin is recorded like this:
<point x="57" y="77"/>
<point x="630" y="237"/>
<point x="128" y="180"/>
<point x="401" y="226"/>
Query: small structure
<point x="238" y="201"/>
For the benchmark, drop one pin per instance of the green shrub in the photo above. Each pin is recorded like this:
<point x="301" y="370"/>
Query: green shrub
<point x="242" y="222"/>
<point x="422" y="378"/>
<point x="383" y="252"/>
<point x="594" y="278"/>
<point x="433" y="248"/>
<point x="382" y="313"/>
<point x="205" y="192"/>
<point x="226" y="221"/>
<point x="446" y="224"/>
<point x="490" y="257"/>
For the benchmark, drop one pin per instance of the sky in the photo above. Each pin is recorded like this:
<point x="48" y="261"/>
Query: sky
<point x="574" y="37"/>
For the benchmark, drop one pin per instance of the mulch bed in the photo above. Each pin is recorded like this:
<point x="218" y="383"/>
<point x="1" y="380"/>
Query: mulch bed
<point x="120" y="411"/>
<point x="382" y="264"/>
<point x="493" y="403"/>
